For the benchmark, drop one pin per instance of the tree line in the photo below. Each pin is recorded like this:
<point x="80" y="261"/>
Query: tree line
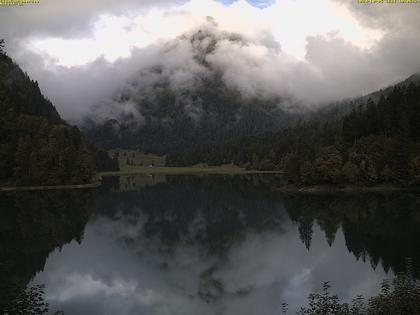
<point x="37" y="147"/>
<point x="376" y="142"/>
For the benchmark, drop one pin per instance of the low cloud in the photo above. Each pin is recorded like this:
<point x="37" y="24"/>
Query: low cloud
<point x="65" y="18"/>
<point x="374" y="47"/>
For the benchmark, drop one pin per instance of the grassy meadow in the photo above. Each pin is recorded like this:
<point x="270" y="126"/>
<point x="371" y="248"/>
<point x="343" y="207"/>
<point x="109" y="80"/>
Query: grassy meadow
<point x="134" y="162"/>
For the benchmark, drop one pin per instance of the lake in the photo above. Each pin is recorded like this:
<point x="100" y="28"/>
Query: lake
<point x="212" y="244"/>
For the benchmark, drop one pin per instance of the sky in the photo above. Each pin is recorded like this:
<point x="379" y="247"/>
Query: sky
<point x="81" y="52"/>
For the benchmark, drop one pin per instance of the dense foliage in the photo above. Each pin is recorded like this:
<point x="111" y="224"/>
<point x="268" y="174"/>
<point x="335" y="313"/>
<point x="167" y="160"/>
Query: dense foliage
<point x="375" y="143"/>
<point x="1" y="46"/>
<point x="103" y="161"/>
<point x="30" y="302"/>
<point x="36" y="146"/>
<point x="399" y="297"/>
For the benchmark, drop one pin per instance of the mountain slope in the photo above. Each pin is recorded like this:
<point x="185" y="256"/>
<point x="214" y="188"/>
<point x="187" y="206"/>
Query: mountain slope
<point x="173" y="105"/>
<point x="36" y="146"/>
<point x="374" y="143"/>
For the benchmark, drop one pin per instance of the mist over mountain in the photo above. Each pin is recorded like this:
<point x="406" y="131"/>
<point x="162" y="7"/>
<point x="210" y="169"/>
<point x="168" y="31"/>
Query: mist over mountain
<point x="371" y="140"/>
<point x="187" y="96"/>
<point x="198" y="91"/>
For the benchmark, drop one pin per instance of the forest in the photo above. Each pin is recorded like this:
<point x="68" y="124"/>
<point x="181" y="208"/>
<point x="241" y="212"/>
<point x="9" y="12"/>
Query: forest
<point x="375" y="142"/>
<point x="367" y="142"/>
<point x="37" y="147"/>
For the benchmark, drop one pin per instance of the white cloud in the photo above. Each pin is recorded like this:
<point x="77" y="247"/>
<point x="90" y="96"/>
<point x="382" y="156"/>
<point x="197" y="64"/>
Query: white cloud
<point x="315" y="51"/>
<point x="290" y="22"/>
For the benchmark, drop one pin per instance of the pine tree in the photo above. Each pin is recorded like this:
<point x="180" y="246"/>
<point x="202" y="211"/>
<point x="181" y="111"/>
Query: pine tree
<point x="2" y="44"/>
<point x="401" y="158"/>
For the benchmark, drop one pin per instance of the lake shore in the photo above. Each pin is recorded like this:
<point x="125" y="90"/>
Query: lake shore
<point x="326" y="189"/>
<point x="192" y="170"/>
<point x="56" y="187"/>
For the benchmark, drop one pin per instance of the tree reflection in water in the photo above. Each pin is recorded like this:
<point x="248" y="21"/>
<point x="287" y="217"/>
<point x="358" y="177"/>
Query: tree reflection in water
<point x="33" y="224"/>
<point x="149" y="219"/>
<point x="383" y="228"/>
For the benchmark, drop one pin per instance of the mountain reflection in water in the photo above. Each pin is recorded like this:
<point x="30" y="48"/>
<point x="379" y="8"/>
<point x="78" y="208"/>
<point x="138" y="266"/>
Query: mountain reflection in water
<point x="211" y="245"/>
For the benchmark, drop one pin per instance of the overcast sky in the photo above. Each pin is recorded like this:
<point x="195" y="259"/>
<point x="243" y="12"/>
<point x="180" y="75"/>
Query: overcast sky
<point x="82" y="51"/>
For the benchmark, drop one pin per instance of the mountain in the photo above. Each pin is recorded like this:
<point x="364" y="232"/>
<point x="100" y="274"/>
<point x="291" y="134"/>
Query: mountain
<point x="37" y="147"/>
<point x="375" y="96"/>
<point x="375" y="142"/>
<point x="336" y="110"/>
<point x="173" y="105"/>
<point x="184" y="106"/>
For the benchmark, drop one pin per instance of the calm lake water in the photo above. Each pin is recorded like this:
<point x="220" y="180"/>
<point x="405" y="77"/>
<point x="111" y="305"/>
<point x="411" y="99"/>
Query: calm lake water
<point x="200" y="245"/>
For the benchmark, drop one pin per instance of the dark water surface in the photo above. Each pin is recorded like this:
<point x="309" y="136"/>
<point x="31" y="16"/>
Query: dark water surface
<point x="200" y="245"/>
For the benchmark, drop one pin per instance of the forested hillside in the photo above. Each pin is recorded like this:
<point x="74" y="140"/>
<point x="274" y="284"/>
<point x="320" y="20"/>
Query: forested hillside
<point x="36" y="146"/>
<point x="155" y="113"/>
<point x="377" y="142"/>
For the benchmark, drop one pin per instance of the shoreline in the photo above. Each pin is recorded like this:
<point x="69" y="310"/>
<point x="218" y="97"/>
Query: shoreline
<point x="184" y="171"/>
<point x="324" y="189"/>
<point x="168" y="171"/>
<point x="136" y="172"/>
<point x="56" y="187"/>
